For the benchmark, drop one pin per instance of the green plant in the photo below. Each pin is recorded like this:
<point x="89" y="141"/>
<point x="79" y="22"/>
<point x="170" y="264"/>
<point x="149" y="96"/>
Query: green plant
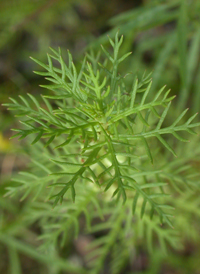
<point x="165" y="37"/>
<point x="103" y="135"/>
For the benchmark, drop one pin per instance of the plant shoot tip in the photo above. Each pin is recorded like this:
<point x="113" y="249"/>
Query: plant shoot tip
<point x="92" y="125"/>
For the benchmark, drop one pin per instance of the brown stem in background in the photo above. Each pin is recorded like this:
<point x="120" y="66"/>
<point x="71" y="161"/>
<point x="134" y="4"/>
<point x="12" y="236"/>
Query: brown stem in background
<point x="32" y="16"/>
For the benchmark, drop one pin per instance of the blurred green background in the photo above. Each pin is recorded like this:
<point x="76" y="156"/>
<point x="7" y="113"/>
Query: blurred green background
<point x="164" y="36"/>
